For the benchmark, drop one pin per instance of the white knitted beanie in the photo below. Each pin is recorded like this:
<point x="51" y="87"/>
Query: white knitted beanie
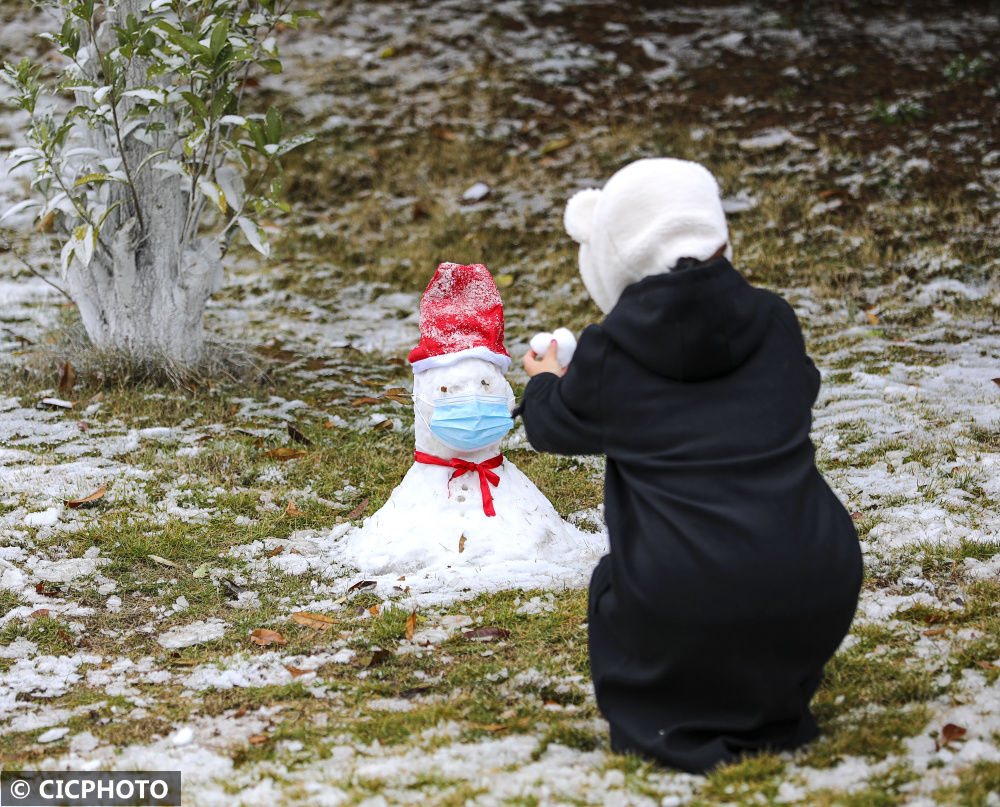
<point x="649" y="215"/>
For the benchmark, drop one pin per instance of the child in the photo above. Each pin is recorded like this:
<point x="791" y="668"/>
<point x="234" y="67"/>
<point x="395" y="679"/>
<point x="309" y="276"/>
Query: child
<point x="734" y="570"/>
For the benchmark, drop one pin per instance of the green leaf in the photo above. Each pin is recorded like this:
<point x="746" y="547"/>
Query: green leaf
<point x="256" y="134"/>
<point x="271" y="65"/>
<point x="293" y="143"/>
<point x="272" y="125"/>
<point x="189" y="44"/>
<point x="220" y="35"/>
<point x="221" y="102"/>
<point x="95" y="178"/>
<point x="196" y="103"/>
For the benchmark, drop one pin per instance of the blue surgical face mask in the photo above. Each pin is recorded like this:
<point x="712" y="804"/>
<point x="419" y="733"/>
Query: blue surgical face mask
<point x="466" y="422"/>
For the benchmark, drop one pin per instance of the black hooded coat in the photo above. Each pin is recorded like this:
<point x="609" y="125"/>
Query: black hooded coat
<point x="734" y="571"/>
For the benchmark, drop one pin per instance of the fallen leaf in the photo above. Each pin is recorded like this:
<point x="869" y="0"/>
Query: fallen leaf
<point x="872" y="319"/>
<point x="39" y="613"/>
<point x="201" y="571"/>
<point x="258" y="739"/>
<point x="461" y="544"/>
<point x="47" y="222"/>
<point x="374" y="610"/>
<point x="240" y="712"/>
<point x="395" y="361"/>
<point x="411" y="624"/>
<point x="505" y="280"/>
<point x="950" y="732"/>
<point x="443" y="134"/>
<point x="362" y="584"/>
<point x="996" y="381"/>
<point x="57" y="403"/>
<point x="987" y="665"/>
<point x="403" y="577"/>
<point x="82" y="425"/>
<point x="296" y="672"/>
<point x="383" y="426"/>
<point x="67" y="378"/>
<point x="355" y="513"/>
<point x="163" y="561"/>
<point x="934" y="631"/>
<point x="486" y="634"/>
<point x="93" y="497"/>
<point x="276" y="551"/>
<point x="366" y="401"/>
<point x="265" y="637"/>
<point x="379" y="657"/>
<point x="64" y="636"/>
<point x="292" y="510"/>
<point x="310" y="620"/>
<point x="283" y="454"/>
<point x="856" y="515"/>
<point x="298" y="436"/>
<point x="555" y="145"/>
<point x="46" y="590"/>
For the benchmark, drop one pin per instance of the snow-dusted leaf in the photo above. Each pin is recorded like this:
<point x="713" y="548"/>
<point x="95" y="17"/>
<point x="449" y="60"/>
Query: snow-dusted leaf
<point x="193" y="140"/>
<point x="79" y="245"/>
<point x="20" y="206"/>
<point x="101" y="93"/>
<point x="145" y="94"/>
<point x="231" y="182"/>
<point x="232" y="120"/>
<point x="172" y="167"/>
<point x="214" y="194"/>
<point x="201" y="571"/>
<point x="290" y="143"/>
<point x="255" y="235"/>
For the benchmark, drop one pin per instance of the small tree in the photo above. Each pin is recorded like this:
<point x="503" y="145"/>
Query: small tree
<point x="147" y="177"/>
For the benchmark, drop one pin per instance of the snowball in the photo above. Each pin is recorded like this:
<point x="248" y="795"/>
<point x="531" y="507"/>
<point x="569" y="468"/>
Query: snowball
<point x="564" y="339"/>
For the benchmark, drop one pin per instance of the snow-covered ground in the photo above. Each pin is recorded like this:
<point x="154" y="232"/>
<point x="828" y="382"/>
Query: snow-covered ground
<point x="907" y="427"/>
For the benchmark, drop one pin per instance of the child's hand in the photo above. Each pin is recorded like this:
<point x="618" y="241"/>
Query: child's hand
<point x="548" y="363"/>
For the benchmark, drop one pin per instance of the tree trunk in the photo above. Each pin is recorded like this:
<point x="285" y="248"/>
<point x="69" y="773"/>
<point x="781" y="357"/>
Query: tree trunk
<point x="145" y="289"/>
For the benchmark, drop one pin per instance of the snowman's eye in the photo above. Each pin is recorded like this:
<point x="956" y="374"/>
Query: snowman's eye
<point x="485" y="383"/>
<point x="444" y="389"/>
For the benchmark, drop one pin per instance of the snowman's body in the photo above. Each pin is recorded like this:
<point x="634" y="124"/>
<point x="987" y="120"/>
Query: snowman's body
<point x="432" y="520"/>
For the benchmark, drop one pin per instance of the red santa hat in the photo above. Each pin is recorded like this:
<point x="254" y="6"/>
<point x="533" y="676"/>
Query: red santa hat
<point x="461" y="317"/>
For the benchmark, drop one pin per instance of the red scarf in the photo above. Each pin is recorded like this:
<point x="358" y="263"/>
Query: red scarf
<point x="486" y="476"/>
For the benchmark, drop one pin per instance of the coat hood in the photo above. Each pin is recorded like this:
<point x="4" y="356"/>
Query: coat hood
<point x="690" y="324"/>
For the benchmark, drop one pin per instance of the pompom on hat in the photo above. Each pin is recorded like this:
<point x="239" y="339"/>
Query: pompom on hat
<point x="648" y="216"/>
<point x="461" y="317"/>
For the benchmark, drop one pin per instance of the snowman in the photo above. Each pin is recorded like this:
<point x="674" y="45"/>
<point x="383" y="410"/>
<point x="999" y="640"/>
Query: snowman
<point x="463" y="505"/>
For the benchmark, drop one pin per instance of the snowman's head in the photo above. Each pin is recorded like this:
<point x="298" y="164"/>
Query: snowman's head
<point x="461" y="380"/>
